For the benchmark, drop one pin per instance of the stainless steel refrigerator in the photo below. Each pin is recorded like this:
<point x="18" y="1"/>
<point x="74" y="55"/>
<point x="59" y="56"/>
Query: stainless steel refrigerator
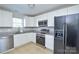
<point x="66" y="33"/>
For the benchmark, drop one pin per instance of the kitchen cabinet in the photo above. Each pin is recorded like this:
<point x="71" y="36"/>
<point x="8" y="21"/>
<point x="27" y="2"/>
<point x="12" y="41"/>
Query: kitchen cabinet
<point x="49" y="42"/>
<point x="30" y="22"/>
<point x="51" y="21"/>
<point x="20" y="39"/>
<point x="33" y="21"/>
<point x="32" y="37"/>
<point x="5" y="19"/>
<point x="50" y="16"/>
<point x="60" y="12"/>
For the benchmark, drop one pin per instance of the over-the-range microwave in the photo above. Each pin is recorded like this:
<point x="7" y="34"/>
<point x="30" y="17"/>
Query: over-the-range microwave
<point x="43" y="23"/>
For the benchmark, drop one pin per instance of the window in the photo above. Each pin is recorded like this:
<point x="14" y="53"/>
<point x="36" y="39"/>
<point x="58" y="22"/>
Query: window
<point x="18" y="22"/>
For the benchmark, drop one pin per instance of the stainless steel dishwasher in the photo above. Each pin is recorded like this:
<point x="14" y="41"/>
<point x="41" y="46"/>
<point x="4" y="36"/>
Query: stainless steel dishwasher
<point x="6" y="43"/>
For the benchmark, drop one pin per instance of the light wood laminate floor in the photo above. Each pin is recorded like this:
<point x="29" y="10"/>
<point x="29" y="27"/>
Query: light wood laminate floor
<point x="30" y="48"/>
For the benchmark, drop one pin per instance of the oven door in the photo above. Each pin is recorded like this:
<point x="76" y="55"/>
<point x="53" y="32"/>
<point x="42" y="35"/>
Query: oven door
<point x="40" y="40"/>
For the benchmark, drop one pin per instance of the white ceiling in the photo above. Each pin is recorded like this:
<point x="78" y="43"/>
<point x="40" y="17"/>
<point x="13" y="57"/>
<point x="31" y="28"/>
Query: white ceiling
<point x="37" y="10"/>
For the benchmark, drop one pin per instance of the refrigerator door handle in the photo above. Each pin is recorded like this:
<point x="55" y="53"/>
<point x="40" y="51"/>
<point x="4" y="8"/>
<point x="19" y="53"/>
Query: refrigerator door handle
<point x="65" y="38"/>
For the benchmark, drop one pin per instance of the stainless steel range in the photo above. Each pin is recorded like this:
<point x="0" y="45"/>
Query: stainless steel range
<point x="40" y="37"/>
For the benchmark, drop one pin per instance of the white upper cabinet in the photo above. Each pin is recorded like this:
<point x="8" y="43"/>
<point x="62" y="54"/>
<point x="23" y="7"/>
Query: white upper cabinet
<point x="30" y="22"/>
<point x="73" y="9"/>
<point x="33" y="21"/>
<point x="5" y="19"/>
<point x="50" y="16"/>
<point x="26" y="21"/>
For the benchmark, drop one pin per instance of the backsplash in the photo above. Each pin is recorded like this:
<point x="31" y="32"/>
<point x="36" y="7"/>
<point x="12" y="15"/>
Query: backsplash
<point x="15" y="29"/>
<point x="8" y="29"/>
<point x="51" y="29"/>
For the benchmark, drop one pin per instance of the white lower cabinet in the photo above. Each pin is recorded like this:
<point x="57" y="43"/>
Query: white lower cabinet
<point x="49" y="42"/>
<point x="20" y="39"/>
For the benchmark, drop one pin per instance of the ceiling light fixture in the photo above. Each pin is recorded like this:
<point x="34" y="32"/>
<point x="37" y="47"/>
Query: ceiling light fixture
<point x="31" y="6"/>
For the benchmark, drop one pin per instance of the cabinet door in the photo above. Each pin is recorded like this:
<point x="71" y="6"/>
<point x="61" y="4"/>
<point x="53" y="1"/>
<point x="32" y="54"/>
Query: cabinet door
<point x="5" y="19"/>
<point x="51" y="20"/>
<point x="1" y="19"/>
<point x="30" y="22"/>
<point x="49" y="41"/>
<point x="32" y="37"/>
<point x="20" y="39"/>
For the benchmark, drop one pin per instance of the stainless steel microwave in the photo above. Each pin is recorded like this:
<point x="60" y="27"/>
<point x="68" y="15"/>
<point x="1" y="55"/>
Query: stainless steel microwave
<point x="43" y="23"/>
